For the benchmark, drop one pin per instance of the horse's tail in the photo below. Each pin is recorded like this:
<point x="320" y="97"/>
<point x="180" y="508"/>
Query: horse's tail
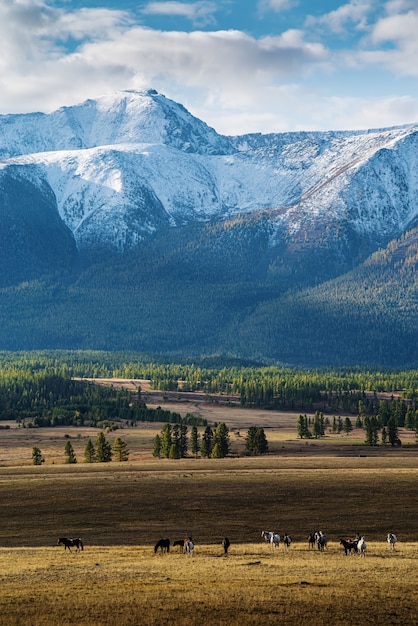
<point x="81" y="544"/>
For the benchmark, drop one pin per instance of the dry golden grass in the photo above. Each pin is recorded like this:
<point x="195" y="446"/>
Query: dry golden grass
<point x="253" y="585"/>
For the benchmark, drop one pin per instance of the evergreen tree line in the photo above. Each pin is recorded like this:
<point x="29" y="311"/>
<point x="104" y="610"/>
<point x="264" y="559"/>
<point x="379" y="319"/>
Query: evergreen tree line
<point x="174" y="442"/>
<point x="42" y="399"/>
<point x="101" y="451"/>
<point x="385" y="424"/>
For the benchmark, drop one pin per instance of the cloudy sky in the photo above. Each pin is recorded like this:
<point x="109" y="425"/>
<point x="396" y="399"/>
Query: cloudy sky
<point x="239" y="65"/>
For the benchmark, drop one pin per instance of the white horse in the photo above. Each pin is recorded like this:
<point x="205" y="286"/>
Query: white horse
<point x="188" y="546"/>
<point x="361" y="546"/>
<point x="391" y="540"/>
<point x="321" y="540"/>
<point x="270" y="537"/>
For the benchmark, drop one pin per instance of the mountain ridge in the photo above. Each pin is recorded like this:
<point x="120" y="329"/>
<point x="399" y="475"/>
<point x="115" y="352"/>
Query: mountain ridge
<point x="244" y="228"/>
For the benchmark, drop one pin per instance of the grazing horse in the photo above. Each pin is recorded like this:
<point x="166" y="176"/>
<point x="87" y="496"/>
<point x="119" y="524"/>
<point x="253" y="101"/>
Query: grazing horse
<point x="225" y="544"/>
<point x="287" y="540"/>
<point x="361" y="546"/>
<point x="321" y="540"/>
<point x="164" y="545"/>
<point x="311" y="540"/>
<point x="189" y="546"/>
<point x="391" y="539"/>
<point x="179" y="542"/>
<point x="71" y="543"/>
<point x="349" y="545"/>
<point x="270" y="537"/>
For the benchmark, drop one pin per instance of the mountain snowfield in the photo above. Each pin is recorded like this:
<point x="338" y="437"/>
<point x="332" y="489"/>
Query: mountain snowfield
<point x="129" y="164"/>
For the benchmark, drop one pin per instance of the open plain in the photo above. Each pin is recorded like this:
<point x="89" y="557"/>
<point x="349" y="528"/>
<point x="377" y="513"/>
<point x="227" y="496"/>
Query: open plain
<point x="121" y="509"/>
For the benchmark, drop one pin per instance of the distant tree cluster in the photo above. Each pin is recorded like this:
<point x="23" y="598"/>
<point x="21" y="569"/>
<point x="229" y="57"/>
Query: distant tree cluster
<point x="384" y="424"/>
<point x="307" y="427"/>
<point x="103" y="452"/>
<point x="173" y="442"/>
<point x="256" y="442"/>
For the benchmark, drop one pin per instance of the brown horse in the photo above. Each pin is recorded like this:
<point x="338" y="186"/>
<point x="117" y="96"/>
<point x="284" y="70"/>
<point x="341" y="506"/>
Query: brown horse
<point x="71" y="543"/>
<point x="225" y="544"/>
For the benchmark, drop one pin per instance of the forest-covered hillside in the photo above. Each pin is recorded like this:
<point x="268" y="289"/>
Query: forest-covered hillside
<point x="219" y="289"/>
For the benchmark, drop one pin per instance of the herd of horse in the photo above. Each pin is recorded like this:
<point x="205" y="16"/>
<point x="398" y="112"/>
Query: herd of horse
<point x="356" y="545"/>
<point x="185" y="546"/>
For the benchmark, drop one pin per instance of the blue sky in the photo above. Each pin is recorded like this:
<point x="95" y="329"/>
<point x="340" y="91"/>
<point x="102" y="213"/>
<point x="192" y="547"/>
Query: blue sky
<point x="239" y="65"/>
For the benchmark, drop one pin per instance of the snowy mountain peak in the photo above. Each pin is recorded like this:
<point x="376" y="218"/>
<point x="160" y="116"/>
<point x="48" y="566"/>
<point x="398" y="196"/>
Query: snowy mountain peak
<point x="127" y="164"/>
<point x="126" y="117"/>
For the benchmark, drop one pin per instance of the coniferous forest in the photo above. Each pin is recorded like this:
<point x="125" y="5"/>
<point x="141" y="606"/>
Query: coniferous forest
<point x="51" y="389"/>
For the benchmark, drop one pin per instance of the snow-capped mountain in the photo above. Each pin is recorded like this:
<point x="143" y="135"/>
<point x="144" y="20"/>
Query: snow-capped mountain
<point x="128" y="224"/>
<point x="129" y="164"/>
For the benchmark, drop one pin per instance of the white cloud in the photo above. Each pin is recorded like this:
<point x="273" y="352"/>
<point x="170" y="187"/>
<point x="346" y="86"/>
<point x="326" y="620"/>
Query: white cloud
<point x="396" y="43"/>
<point x="393" y="7"/>
<point x="276" y="5"/>
<point x="200" y="13"/>
<point x="353" y="13"/>
<point x="234" y="82"/>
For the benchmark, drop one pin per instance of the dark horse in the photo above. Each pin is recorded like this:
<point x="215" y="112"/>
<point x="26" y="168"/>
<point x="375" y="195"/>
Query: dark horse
<point x="349" y="545"/>
<point x="311" y="540"/>
<point x="71" y="543"/>
<point x="163" y="544"/>
<point x="225" y="544"/>
<point x="179" y="542"/>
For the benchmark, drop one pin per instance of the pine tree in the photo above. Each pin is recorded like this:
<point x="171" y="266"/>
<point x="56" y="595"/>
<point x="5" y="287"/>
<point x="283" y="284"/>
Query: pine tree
<point x="207" y="442"/>
<point x="393" y="432"/>
<point x="69" y="453"/>
<point x="89" y="452"/>
<point x="217" y="451"/>
<point x="261" y="442"/>
<point x="255" y="441"/>
<point x="303" y="427"/>
<point x="183" y="443"/>
<point x="174" y="452"/>
<point x="250" y="440"/>
<point x="166" y="440"/>
<point x="348" y="427"/>
<point x="37" y="458"/>
<point x="317" y="427"/>
<point x="103" y="449"/>
<point x="157" y="447"/>
<point x="371" y="426"/>
<point x="195" y="437"/>
<point x="221" y="437"/>
<point x="120" y="450"/>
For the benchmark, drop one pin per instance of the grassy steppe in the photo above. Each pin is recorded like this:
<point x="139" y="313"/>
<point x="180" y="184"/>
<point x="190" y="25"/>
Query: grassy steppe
<point x="121" y="510"/>
<point x="253" y="585"/>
